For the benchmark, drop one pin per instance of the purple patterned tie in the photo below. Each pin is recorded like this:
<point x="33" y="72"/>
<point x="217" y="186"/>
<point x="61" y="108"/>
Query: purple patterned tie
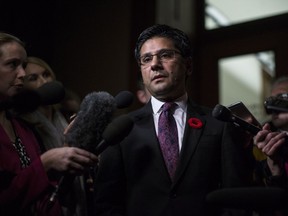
<point x="168" y="137"/>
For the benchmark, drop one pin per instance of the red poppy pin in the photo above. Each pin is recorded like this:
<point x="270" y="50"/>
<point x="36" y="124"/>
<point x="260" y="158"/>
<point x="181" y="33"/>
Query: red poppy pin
<point x="195" y="123"/>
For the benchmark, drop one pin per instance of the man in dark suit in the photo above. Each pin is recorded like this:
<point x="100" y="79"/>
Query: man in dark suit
<point x="134" y="178"/>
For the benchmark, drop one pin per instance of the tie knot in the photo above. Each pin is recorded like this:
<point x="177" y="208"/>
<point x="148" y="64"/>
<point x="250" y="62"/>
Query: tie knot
<point x="168" y="106"/>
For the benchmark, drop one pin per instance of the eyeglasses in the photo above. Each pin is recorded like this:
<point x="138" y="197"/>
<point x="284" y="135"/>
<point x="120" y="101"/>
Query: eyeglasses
<point x="162" y="55"/>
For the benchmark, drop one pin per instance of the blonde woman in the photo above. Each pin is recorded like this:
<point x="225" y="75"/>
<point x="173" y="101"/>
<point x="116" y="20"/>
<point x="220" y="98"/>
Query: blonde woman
<point x="50" y="124"/>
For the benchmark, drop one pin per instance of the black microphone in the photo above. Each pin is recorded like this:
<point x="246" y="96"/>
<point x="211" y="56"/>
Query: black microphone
<point x="124" y="99"/>
<point x="249" y="198"/>
<point x="115" y="132"/>
<point x="51" y="93"/>
<point x="222" y="113"/>
<point x="29" y="100"/>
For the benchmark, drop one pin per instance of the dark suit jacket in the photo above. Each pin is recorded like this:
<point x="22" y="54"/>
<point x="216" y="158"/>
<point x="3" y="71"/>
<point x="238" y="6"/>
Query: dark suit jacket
<point x="132" y="178"/>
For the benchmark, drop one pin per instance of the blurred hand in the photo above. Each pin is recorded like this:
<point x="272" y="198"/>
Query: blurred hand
<point x="270" y="143"/>
<point x="70" y="160"/>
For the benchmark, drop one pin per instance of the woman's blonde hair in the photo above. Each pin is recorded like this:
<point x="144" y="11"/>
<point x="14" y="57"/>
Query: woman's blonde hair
<point x="42" y="63"/>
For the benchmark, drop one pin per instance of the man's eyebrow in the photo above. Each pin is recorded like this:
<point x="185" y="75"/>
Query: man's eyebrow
<point x="150" y="53"/>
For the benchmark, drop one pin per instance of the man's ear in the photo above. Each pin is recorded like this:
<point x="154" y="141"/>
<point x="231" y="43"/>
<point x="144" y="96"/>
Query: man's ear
<point x="141" y="95"/>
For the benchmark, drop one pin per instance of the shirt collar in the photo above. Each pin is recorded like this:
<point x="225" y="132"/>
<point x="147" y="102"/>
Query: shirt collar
<point x="157" y="104"/>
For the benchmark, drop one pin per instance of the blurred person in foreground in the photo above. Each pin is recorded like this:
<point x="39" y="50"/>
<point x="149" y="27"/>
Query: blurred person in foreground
<point x="47" y="119"/>
<point x="279" y="118"/>
<point x="28" y="175"/>
<point x="272" y="139"/>
<point x="49" y="124"/>
<point x="145" y="176"/>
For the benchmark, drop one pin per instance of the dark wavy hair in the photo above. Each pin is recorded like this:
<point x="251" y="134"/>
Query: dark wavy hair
<point x="180" y="39"/>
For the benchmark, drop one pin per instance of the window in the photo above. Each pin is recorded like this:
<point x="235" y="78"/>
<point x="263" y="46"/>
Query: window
<point x="228" y="12"/>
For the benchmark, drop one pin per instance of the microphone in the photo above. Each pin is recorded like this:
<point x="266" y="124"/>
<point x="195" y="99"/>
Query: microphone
<point x="29" y="100"/>
<point x="123" y="99"/>
<point x="115" y="132"/>
<point x="51" y="93"/>
<point x="250" y="198"/>
<point x="89" y="130"/>
<point x="96" y="112"/>
<point x="222" y="113"/>
<point x="86" y="135"/>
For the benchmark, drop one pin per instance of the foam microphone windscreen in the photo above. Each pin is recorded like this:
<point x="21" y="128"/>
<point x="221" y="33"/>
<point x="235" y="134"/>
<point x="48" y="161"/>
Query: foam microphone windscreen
<point x="96" y="112"/>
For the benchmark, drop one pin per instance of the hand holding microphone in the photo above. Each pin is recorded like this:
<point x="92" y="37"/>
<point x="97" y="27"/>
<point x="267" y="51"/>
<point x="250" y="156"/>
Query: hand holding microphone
<point x="222" y="113"/>
<point x="273" y="144"/>
<point x="96" y="112"/>
<point x="115" y="132"/>
<point x="92" y="131"/>
<point x="68" y="160"/>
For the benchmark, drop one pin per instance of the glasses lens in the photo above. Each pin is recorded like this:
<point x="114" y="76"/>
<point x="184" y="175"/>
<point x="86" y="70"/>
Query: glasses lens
<point x="163" y="56"/>
<point x="146" y="59"/>
<point x="166" y="55"/>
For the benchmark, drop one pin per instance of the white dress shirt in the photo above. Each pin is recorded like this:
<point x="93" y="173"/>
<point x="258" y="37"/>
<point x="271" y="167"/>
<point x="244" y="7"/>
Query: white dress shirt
<point x="179" y="115"/>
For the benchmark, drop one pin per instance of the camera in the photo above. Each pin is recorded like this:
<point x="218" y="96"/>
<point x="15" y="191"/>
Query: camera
<point x="276" y="104"/>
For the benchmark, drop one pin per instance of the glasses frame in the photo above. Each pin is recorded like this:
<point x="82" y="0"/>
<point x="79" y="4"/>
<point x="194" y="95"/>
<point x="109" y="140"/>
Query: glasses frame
<point x="159" y="57"/>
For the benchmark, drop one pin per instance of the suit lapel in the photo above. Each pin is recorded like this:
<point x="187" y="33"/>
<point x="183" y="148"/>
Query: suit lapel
<point x="145" y="120"/>
<point x="190" y="140"/>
